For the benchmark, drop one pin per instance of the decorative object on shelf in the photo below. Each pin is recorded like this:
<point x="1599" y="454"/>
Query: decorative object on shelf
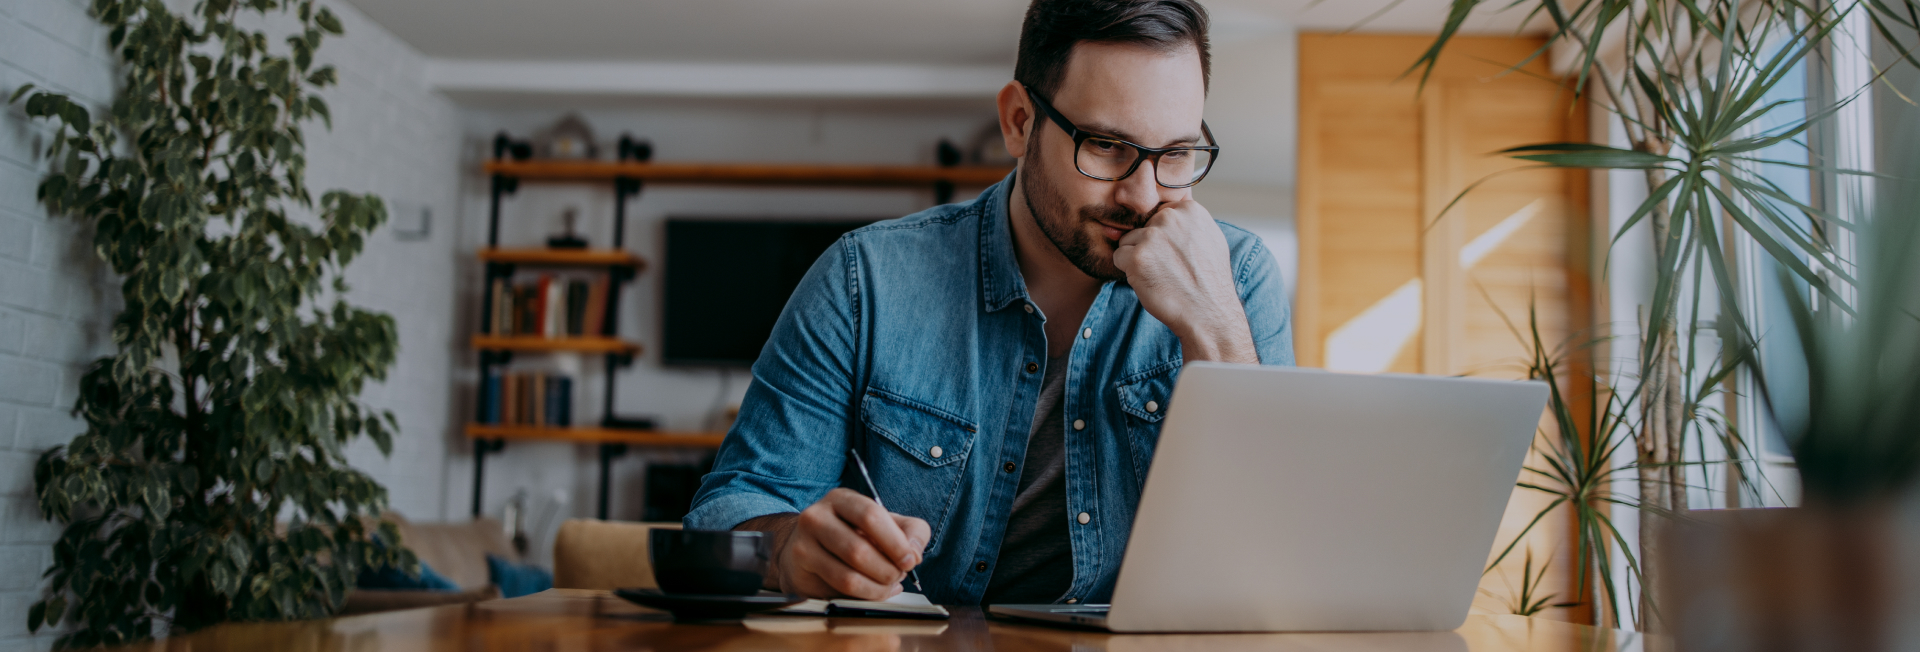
<point x="989" y="147"/>
<point x="569" y="139"/>
<point x="211" y="481"/>
<point x="568" y="239"/>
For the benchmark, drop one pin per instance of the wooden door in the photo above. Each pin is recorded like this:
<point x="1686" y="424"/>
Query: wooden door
<point x="1390" y="284"/>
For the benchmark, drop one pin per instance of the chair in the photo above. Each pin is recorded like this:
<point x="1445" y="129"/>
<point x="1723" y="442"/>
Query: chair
<point x="595" y="554"/>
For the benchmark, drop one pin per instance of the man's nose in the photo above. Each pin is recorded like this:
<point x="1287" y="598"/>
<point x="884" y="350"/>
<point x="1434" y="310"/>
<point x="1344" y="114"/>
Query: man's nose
<point x="1139" y="191"/>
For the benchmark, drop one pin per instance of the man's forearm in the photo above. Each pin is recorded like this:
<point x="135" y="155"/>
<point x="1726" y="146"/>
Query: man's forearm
<point x="778" y="529"/>
<point x="1226" y="339"/>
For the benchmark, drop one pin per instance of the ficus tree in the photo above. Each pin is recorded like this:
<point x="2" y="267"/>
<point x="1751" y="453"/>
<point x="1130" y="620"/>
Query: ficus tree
<point x="210" y="483"/>
<point x="1692" y="85"/>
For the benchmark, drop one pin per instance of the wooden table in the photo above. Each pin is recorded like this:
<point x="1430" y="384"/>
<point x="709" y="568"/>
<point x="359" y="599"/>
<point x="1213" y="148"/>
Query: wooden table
<point x="565" y="620"/>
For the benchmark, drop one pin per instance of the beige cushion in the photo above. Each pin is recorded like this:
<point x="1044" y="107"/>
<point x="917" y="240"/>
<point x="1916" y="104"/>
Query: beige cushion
<point x="458" y="551"/>
<point x="593" y="554"/>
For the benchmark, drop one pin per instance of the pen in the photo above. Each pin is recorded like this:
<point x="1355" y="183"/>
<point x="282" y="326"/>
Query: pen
<point x="913" y="573"/>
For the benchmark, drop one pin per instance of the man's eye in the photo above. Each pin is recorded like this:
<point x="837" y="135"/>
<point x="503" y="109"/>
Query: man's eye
<point x="1176" y="155"/>
<point x="1104" y="146"/>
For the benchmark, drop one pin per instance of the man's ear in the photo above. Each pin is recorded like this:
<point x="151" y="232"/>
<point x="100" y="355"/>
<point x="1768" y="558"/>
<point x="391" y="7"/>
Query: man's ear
<point x="1016" y="118"/>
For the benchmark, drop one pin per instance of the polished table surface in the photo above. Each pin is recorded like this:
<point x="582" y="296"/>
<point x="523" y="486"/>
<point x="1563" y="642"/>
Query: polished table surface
<point x="565" y="620"/>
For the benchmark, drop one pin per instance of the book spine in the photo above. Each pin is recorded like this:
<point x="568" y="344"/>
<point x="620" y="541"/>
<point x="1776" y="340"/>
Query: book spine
<point x="490" y="398"/>
<point x="556" y="307"/>
<point x="552" y="386"/>
<point x="509" y="399"/>
<point x="576" y="308"/>
<point x="539" y="404"/>
<point x="596" y="313"/>
<point x="566" y="401"/>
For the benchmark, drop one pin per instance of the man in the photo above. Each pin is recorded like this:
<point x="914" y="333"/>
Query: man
<point x="1003" y="365"/>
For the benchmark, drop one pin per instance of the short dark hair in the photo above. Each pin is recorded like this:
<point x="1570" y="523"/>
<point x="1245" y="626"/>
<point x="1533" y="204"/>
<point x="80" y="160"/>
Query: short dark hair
<point x="1053" y="27"/>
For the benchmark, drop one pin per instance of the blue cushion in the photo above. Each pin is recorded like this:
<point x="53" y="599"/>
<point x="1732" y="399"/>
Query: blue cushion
<point x="516" y="580"/>
<point x="392" y="577"/>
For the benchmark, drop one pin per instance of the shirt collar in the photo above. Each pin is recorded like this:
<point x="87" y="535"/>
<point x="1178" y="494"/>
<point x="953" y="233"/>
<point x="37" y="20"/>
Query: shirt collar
<point x="1000" y="280"/>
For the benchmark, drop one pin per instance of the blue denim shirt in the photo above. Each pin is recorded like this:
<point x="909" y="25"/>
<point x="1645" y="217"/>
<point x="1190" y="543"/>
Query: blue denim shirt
<point x="913" y="340"/>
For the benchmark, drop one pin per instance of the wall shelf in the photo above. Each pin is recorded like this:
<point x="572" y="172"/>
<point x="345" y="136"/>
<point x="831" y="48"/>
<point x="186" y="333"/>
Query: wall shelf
<point x="756" y="174"/>
<point x="592" y="435"/>
<point x="563" y="257"/>
<point x="591" y="344"/>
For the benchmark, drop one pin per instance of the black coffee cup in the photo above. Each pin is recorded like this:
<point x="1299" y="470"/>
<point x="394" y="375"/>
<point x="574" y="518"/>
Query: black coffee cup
<point x="710" y="562"/>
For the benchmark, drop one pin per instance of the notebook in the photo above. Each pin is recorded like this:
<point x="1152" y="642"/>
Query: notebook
<point x="905" y="605"/>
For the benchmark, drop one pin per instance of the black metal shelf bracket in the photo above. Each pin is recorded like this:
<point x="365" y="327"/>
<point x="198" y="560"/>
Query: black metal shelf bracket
<point x="480" y="449"/>
<point x="608" y="452"/>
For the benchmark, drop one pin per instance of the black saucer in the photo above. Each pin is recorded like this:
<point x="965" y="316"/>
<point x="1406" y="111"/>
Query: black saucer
<point x="694" y="606"/>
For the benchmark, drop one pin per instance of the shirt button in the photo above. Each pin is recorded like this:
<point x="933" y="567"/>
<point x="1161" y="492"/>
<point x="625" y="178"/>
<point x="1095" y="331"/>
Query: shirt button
<point x="1084" y="518"/>
<point x="982" y="567"/>
<point x="1079" y="424"/>
<point x="1009" y="467"/>
<point x="1153" y="407"/>
<point x="936" y="452"/>
<point x="1029" y="308"/>
<point x="1033" y="367"/>
<point x="1087" y="333"/>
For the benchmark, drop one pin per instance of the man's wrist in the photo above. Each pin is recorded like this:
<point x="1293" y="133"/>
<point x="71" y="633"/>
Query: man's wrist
<point x="1218" y="338"/>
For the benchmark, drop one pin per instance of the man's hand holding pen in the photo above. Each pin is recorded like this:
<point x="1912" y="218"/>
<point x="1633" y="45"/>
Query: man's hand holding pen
<point x="845" y="545"/>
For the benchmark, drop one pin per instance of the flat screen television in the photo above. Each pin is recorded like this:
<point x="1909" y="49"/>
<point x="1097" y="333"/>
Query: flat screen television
<point x="727" y="280"/>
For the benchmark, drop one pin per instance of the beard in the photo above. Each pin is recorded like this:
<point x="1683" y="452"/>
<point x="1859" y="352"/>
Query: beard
<point x="1067" y="227"/>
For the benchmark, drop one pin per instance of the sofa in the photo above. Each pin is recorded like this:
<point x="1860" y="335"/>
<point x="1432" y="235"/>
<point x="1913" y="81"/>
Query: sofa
<point x="457" y="551"/>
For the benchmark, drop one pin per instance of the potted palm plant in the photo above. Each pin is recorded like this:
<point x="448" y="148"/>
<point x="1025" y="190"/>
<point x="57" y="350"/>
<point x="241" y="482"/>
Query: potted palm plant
<point x="1843" y="571"/>
<point x="1690" y="83"/>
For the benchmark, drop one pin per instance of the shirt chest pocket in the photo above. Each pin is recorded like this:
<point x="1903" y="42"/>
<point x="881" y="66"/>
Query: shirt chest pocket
<point x="1142" y="398"/>
<point x="919" y="468"/>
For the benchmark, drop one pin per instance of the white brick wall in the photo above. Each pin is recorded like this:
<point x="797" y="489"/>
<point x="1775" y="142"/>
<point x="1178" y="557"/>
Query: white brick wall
<point x="393" y="137"/>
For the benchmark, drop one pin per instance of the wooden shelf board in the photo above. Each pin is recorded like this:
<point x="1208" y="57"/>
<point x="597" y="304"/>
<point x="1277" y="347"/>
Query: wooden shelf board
<point x="750" y="173"/>
<point x="596" y="435"/>
<point x="582" y="344"/>
<point x="560" y="257"/>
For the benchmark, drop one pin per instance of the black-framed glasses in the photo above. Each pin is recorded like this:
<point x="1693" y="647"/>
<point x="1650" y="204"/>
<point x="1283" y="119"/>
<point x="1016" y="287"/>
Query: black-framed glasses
<point x="1111" y="159"/>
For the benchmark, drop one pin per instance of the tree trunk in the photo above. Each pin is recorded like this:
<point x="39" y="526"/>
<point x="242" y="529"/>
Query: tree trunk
<point x="1661" y="442"/>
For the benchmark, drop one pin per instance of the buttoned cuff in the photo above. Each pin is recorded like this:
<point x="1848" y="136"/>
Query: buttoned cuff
<point x="725" y="511"/>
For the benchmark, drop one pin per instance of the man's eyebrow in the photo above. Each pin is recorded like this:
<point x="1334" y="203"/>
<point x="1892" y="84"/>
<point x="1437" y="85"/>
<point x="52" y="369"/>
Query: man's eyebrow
<point x="1115" y="132"/>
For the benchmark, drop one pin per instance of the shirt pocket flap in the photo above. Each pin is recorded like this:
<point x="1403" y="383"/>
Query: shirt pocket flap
<point x="933" y="436"/>
<point x="1144" y="395"/>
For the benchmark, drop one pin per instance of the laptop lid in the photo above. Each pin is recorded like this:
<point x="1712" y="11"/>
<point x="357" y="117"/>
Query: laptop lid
<point x="1286" y="499"/>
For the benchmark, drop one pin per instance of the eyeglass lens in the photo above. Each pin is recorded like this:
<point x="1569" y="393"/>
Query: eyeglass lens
<point x="1106" y="159"/>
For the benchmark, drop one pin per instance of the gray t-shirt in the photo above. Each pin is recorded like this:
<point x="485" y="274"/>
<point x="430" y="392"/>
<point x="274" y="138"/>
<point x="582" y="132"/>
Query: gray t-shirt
<point x="1036" y="558"/>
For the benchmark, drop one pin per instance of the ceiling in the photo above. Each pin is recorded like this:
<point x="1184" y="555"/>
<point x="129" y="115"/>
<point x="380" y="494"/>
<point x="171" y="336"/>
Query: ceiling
<point x="926" y="32"/>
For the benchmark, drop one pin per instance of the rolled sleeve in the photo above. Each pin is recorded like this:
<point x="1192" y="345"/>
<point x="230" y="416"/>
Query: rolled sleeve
<point x="1263" y="294"/>
<point x="786" y="449"/>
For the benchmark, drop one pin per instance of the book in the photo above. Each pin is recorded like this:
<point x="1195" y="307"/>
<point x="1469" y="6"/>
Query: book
<point x="905" y="605"/>
<point x="595" y="316"/>
<point x="553" y="307"/>
<point x="510" y="400"/>
<point x="490" y="399"/>
<point x="576" y="308"/>
<point x="537" y="401"/>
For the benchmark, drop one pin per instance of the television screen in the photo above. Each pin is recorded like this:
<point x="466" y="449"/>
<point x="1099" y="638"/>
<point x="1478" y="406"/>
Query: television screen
<point x="727" y="281"/>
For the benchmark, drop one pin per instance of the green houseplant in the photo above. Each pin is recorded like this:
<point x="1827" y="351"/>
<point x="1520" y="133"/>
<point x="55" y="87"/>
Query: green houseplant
<point x="210" y="484"/>
<point x="1688" y="81"/>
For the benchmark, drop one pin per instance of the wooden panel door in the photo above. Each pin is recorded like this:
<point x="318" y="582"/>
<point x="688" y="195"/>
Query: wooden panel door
<point x="1388" y="283"/>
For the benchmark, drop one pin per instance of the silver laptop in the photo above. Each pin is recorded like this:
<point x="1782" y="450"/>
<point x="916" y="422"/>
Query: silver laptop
<point x="1285" y="499"/>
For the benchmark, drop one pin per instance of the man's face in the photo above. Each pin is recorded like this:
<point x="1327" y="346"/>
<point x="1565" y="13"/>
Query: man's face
<point x="1135" y="93"/>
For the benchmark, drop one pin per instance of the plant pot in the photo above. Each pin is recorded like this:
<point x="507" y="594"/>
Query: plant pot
<point x="1813" y="578"/>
